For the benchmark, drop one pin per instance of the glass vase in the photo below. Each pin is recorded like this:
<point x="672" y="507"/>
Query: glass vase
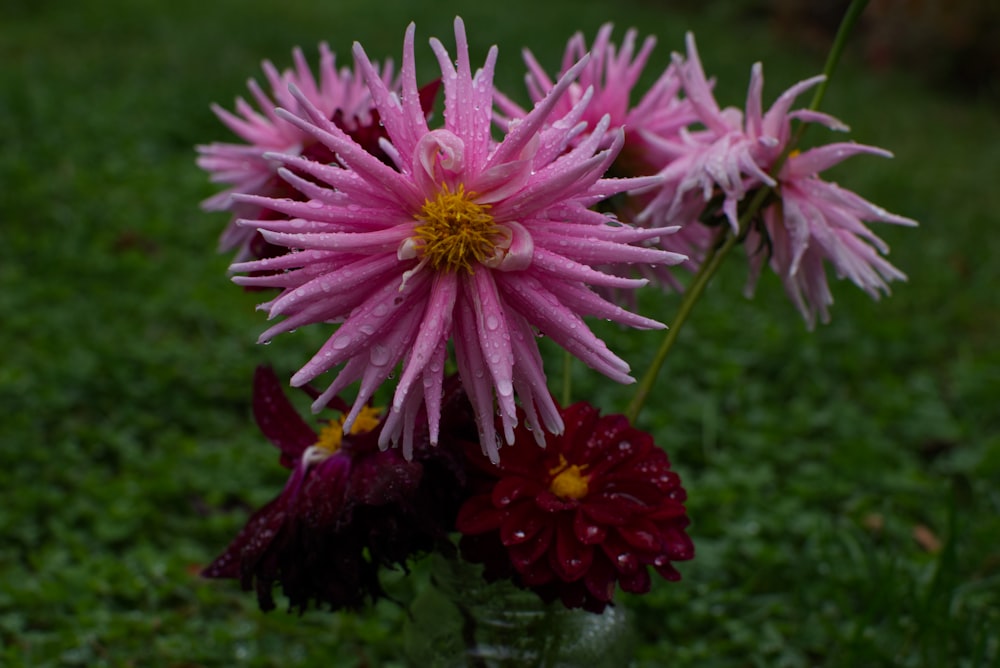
<point x="462" y="621"/>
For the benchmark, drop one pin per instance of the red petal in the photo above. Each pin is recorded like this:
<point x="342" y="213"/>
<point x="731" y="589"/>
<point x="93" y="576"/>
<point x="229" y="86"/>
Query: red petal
<point x="642" y="536"/>
<point x="587" y="531"/>
<point x="636" y="583"/>
<point x="571" y="558"/>
<point x="521" y="523"/>
<point x="522" y="555"/>
<point x="579" y="420"/>
<point x="536" y="573"/>
<point x="427" y="93"/>
<point x="277" y="417"/>
<point x="383" y="478"/>
<point x="477" y="515"/>
<point x="608" y="510"/>
<point x="679" y="545"/>
<point x="666" y="570"/>
<point x="510" y="489"/>
<point x="551" y="503"/>
<point x="262" y="528"/>
<point x="324" y="492"/>
<point x="666" y="511"/>
<point x="600" y="579"/>
<point x="621" y="555"/>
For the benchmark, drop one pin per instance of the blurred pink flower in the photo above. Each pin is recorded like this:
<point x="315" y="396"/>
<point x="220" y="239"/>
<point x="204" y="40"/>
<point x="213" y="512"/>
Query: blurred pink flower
<point x="458" y="239"/>
<point x="340" y="95"/>
<point x="807" y="221"/>
<point x="730" y="153"/>
<point x="607" y="83"/>
<point x="652" y="128"/>
<point x="816" y="220"/>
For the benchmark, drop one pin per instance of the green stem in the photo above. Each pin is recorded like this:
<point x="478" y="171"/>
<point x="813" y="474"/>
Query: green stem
<point x="727" y="240"/>
<point x="847" y="24"/>
<point x="708" y="267"/>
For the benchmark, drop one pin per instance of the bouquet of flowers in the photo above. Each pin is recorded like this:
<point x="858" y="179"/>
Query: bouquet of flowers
<point x="438" y="229"/>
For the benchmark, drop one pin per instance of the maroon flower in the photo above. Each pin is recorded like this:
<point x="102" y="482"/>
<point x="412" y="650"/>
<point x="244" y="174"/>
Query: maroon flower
<point x="597" y="505"/>
<point x="347" y="509"/>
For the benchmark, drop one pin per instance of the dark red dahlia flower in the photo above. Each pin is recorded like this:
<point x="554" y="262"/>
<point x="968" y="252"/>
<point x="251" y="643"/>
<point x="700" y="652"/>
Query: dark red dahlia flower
<point x="597" y="505"/>
<point x="347" y="509"/>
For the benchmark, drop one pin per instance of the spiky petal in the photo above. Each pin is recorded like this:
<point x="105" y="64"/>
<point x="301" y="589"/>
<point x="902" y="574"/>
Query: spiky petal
<point x="340" y="94"/>
<point x="464" y="239"/>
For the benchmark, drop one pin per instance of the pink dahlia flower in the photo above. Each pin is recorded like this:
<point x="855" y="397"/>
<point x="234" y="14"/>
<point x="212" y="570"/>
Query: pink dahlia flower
<point x="816" y="220"/>
<point x="652" y="126"/>
<point x="730" y="156"/>
<point x="807" y="221"/>
<point x="464" y="239"/>
<point x="610" y="75"/>
<point x="340" y="94"/>
<point x="597" y="506"/>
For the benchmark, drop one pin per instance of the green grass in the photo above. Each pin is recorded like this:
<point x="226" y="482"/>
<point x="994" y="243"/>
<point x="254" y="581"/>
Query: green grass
<point x="128" y="457"/>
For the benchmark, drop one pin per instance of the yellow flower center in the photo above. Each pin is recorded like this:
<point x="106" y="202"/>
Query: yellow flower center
<point x="569" y="481"/>
<point x="331" y="436"/>
<point x="455" y="232"/>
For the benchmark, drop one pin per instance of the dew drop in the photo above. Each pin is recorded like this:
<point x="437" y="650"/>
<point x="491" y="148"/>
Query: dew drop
<point x="315" y="204"/>
<point x="492" y="322"/>
<point x="379" y="355"/>
<point x="341" y="342"/>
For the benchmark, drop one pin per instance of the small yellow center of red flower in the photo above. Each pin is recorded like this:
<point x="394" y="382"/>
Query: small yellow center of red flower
<point x="332" y="435"/>
<point x="456" y="232"/>
<point x="569" y="481"/>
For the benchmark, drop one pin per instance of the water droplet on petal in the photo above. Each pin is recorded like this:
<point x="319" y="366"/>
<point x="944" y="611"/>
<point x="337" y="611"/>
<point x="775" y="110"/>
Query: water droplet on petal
<point x="379" y="355"/>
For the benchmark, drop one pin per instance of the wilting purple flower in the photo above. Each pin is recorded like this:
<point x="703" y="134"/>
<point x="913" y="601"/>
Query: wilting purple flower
<point x="461" y="239"/>
<point x="348" y="509"/>
<point x="340" y="95"/>
<point x="597" y="506"/>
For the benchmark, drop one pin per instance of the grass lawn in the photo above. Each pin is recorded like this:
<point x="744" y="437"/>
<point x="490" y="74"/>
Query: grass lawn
<point x="844" y="483"/>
